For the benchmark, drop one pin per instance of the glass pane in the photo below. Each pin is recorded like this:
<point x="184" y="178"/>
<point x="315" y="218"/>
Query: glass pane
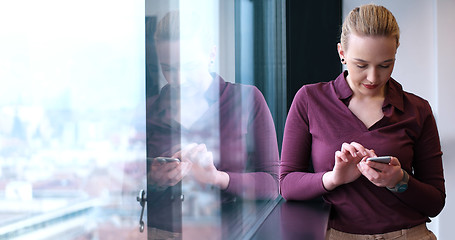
<point x="72" y="119"/>
<point x="212" y="150"/>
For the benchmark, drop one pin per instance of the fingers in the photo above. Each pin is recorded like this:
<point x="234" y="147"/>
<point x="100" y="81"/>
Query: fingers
<point x="353" y="150"/>
<point x="356" y="149"/>
<point x="383" y="166"/>
<point x="189" y="146"/>
<point x="195" y="160"/>
<point x="380" y="167"/>
<point x="206" y="160"/>
<point x="191" y="151"/>
<point x="187" y="151"/>
<point x="168" y="173"/>
<point x="176" y="174"/>
<point x="177" y="155"/>
<point x="341" y="156"/>
<point x="183" y="153"/>
<point x="186" y="167"/>
<point x="369" y="172"/>
<point x="198" y="154"/>
<point x="371" y="153"/>
<point x="380" y="174"/>
<point x="346" y="147"/>
<point x="394" y="162"/>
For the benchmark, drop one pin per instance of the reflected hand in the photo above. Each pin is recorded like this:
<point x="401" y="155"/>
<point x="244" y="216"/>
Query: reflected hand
<point x="203" y="169"/>
<point x="165" y="174"/>
<point x="382" y="174"/>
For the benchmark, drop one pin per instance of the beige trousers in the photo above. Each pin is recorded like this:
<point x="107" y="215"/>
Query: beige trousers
<point x="416" y="233"/>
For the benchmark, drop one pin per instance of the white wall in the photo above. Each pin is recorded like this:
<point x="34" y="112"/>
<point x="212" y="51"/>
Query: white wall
<point x="425" y="66"/>
<point x="446" y="110"/>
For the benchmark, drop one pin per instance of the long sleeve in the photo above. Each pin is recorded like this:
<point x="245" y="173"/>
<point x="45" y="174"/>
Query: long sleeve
<point x="296" y="180"/>
<point x="259" y="179"/>
<point x="426" y="191"/>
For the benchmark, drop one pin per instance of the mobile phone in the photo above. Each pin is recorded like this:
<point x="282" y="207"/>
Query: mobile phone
<point x="166" y="159"/>
<point x="385" y="159"/>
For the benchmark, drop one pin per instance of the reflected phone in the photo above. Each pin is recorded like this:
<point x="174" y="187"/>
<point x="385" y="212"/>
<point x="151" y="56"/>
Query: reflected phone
<point x="385" y="159"/>
<point x="166" y="159"/>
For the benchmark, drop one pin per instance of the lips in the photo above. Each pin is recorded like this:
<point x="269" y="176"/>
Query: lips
<point x="370" y="86"/>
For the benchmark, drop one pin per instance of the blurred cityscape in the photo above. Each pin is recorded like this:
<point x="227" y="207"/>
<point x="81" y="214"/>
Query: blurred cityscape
<point x="70" y="175"/>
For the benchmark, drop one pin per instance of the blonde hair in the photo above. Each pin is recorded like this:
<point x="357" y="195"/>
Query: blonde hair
<point x="370" y="20"/>
<point x="168" y="28"/>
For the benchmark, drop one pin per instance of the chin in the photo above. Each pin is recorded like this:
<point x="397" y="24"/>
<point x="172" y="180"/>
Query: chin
<point x="190" y="92"/>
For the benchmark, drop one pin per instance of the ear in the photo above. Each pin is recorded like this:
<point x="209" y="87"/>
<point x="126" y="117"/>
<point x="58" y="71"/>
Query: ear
<point x="341" y="51"/>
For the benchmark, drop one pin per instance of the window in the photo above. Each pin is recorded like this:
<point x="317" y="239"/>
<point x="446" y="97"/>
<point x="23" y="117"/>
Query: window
<point x="217" y="71"/>
<point x="72" y="131"/>
<point x="76" y="145"/>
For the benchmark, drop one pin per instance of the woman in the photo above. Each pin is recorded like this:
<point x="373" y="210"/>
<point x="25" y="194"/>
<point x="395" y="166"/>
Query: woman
<point x="365" y="113"/>
<point x="221" y="132"/>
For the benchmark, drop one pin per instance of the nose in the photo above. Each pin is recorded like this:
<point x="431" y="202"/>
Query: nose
<point x="373" y="75"/>
<point x="183" y="77"/>
<point x="174" y="78"/>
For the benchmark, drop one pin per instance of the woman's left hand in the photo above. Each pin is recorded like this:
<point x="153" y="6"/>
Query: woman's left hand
<point x="382" y="174"/>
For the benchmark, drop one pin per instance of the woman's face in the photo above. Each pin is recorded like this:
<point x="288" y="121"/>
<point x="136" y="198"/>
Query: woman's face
<point x="184" y="65"/>
<point x="370" y="61"/>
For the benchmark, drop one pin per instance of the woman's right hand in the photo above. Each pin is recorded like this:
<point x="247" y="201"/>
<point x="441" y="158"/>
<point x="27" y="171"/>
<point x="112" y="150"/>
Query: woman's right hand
<point x="345" y="169"/>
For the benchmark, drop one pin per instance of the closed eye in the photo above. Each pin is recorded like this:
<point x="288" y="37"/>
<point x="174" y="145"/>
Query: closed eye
<point x="167" y="68"/>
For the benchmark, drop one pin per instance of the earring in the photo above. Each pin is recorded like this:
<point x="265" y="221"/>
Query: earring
<point x="342" y="61"/>
<point x="211" y="66"/>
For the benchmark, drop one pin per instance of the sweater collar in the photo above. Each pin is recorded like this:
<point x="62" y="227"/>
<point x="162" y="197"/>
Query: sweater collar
<point x="394" y="91"/>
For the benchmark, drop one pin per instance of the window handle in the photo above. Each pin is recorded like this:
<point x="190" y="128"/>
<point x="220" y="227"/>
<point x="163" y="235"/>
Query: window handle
<point x="141" y="198"/>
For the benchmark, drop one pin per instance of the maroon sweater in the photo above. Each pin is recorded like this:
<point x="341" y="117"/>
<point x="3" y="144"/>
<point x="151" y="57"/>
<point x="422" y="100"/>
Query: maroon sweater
<point x="319" y="121"/>
<point x="243" y="140"/>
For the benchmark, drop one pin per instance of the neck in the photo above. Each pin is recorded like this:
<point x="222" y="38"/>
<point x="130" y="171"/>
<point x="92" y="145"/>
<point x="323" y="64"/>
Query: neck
<point x="192" y="91"/>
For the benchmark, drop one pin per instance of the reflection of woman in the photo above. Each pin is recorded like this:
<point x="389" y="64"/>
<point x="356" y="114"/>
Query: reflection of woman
<point x="365" y="113"/>
<point x="222" y="132"/>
